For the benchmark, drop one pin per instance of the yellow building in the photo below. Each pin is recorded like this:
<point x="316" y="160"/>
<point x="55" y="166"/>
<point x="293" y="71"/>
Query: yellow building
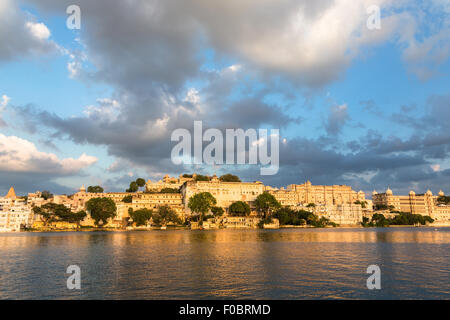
<point x="225" y="192"/>
<point x="424" y="204"/>
<point x="152" y="201"/>
<point x="167" y="182"/>
<point x="336" y="194"/>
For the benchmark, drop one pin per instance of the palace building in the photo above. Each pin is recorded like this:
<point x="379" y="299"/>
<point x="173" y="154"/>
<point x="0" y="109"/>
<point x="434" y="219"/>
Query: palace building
<point x="298" y="194"/>
<point x="225" y="192"/>
<point x="339" y="203"/>
<point x="424" y="204"/>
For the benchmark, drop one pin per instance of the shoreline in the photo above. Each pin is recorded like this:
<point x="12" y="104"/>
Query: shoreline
<point x="187" y="228"/>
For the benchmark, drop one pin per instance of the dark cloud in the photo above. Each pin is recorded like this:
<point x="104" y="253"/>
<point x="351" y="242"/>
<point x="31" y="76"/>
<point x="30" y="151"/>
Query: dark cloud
<point x="25" y="182"/>
<point x="337" y="119"/>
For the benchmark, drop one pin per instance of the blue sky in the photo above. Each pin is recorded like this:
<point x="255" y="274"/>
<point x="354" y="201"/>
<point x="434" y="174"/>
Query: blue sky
<point x="97" y="105"/>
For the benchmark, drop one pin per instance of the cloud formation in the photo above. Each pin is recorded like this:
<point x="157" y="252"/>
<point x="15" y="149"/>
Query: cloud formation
<point x="161" y="60"/>
<point x="20" y="155"/>
<point x="21" y="35"/>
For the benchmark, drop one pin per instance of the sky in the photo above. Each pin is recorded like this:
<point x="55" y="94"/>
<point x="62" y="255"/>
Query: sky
<point x="355" y="104"/>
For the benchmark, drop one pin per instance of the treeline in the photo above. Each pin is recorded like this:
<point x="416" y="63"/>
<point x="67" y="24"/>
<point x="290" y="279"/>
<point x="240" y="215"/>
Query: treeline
<point x="402" y="219"/>
<point x="224" y="178"/>
<point x="287" y="216"/>
<point x="162" y="216"/>
<point x="52" y="212"/>
<point x="443" y="200"/>
<point x="165" y="190"/>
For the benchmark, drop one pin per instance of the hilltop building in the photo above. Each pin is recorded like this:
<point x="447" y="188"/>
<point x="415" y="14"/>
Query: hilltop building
<point x="168" y="182"/>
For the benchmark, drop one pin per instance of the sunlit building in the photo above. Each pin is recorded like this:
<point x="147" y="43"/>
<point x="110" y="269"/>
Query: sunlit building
<point x="424" y="204"/>
<point x="15" y="214"/>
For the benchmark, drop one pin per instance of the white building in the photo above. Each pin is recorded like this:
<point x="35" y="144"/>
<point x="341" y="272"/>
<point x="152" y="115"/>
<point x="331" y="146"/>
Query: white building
<point x="14" y="213"/>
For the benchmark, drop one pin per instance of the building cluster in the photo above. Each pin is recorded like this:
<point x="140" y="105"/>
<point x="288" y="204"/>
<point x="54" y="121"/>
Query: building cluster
<point x="14" y="212"/>
<point x="424" y="204"/>
<point x="339" y="203"/>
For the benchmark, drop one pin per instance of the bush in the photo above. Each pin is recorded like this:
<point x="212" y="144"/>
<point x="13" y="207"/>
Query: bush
<point x="239" y="209"/>
<point x="200" y="177"/>
<point x="169" y="190"/>
<point x="217" y="211"/>
<point x="229" y="178"/>
<point x="127" y="199"/>
<point x="141" y="216"/>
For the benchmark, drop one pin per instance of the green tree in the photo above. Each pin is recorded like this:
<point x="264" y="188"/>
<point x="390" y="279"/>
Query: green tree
<point x="201" y="203"/>
<point x="379" y="207"/>
<point x="217" y="211"/>
<point x="95" y="189"/>
<point x="52" y="212"/>
<point x="229" y="178"/>
<point x="128" y="199"/>
<point x="165" y="215"/>
<point x="362" y="203"/>
<point x="200" y="177"/>
<point x="379" y="220"/>
<point x="75" y="217"/>
<point x="443" y="199"/>
<point x="133" y="187"/>
<point x="46" y="194"/>
<point x="140" y="217"/>
<point x="266" y="203"/>
<point x="170" y="190"/>
<point x="140" y="182"/>
<point x="48" y="212"/>
<point x="285" y="215"/>
<point x="101" y="209"/>
<point x="311" y="205"/>
<point x="239" y="209"/>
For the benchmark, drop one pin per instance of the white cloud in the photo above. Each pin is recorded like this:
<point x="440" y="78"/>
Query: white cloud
<point x="106" y="109"/>
<point x="20" y="155"/>
<point x="38" y="30"/>
<point x="192" y="96"/>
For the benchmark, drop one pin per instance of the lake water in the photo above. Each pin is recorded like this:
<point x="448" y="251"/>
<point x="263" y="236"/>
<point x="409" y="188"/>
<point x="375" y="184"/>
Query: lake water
<point x="228" y="264"/>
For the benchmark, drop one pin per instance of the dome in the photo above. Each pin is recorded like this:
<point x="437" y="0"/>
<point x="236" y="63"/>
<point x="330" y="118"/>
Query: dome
<point x="429" y="193"/>
<point x="82" y="188"/>
<point x="389" y="191"/>
<point x="374" y="192"/>
<point x="441" y="193"/>
<point x="412" y="193"/>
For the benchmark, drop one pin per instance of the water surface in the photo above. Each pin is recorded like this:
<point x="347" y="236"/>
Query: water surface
<point x="228" y="264"/>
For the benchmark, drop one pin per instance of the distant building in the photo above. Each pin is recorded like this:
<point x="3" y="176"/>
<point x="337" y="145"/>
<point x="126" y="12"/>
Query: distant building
<point x="225" y="192"/>
<point x="339" y="203"/>
<point x="424" y="204"/>
<point x="167" y="182"/>
<point x="15" y="214"/>
<point x="319" y="194"/>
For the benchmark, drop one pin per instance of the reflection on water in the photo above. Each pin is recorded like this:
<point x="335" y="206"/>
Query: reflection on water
<point x="228" y="264"/>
